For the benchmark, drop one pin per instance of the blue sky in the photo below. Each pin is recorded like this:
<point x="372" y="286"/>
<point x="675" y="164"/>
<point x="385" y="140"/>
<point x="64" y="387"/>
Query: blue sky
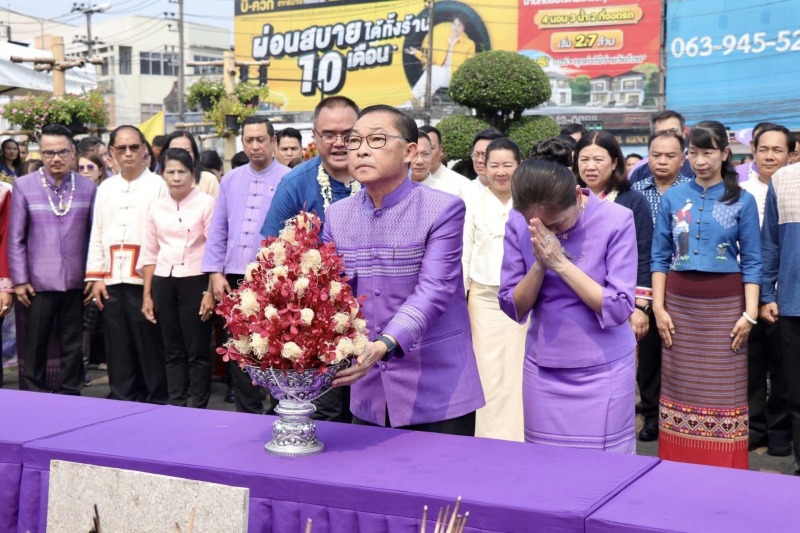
<point x="213" y="12"/>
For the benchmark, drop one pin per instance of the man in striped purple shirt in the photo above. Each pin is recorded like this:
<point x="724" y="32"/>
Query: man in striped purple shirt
<point x="51" y="218"/>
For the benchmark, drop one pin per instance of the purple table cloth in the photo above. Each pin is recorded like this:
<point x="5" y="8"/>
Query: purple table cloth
<point x="368" y="479"/>
<point x="685" y="497"/>
<point x="27" y="416"/>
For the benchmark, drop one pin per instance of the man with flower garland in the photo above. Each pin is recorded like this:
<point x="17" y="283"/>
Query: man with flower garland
<point x="48" y="241"/>
<point x="313" y="186"/>
<point x="401" y="243"/>
<point x="245" y="195"/>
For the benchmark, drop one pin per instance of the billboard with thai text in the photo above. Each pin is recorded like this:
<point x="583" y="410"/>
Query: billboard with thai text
<point x="374" y="51"/>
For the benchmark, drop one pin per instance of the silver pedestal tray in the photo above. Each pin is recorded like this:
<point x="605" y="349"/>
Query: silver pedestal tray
<point x="294" y="433"/>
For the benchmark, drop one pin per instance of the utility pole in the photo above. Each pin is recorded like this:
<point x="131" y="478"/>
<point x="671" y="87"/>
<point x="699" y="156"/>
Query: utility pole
<point x="662" y="59"/>
<point x="181" y="59"/>
<point x="58" y="64"/>
<point x="88" y="10"/>
<point x="429" y="66"/>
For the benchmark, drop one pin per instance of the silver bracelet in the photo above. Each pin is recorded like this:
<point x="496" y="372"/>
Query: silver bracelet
<point x="747" y="317"/>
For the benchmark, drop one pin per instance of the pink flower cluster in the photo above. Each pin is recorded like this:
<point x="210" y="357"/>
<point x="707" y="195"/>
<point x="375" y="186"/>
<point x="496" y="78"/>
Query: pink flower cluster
<point x="294" y="309"/>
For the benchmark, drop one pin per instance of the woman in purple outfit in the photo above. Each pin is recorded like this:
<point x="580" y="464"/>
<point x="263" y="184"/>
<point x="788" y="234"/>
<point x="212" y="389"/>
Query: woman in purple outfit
<point x="567" y="262"/>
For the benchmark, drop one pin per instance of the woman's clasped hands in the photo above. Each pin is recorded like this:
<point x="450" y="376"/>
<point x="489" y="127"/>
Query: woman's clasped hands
<point x="546" y="246"/>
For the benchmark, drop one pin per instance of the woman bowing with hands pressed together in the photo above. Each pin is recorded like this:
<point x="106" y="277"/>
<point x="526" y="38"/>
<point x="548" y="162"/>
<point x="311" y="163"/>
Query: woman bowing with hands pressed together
<point x="176" y="293"/>
<point x="567" y="263"/>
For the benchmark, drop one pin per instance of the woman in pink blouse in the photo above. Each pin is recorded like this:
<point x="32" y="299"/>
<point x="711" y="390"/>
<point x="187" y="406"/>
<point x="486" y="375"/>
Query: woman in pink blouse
<point x="176" y="294"/>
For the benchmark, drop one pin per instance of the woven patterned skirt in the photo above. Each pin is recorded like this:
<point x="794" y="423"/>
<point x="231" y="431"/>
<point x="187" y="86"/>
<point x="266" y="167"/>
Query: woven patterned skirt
<point x="590" y="408"/>
<point x="703" y="407"/>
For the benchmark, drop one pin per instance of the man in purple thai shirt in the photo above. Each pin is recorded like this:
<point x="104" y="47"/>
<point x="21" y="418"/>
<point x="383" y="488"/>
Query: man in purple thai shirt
<point x="401" y="243"/>
<point x="51" y="218"/>
<point x="233" y="240"/>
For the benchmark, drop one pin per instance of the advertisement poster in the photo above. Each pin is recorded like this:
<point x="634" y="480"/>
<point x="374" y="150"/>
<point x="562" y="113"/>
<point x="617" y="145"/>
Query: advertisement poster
<point x="602" y="56"/>
<point x="734" y="61"/>
<point x="369" y="50"/>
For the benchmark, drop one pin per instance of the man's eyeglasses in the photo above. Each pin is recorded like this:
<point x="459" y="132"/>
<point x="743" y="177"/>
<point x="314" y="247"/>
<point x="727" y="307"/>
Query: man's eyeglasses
<point x="50" y="154"/>
<point x="330" y="138"/>
<point x="132" y="147"/>
<point x="90" y="167"/>
<point x="374" y="140"/>
<point x="478" y="156"/>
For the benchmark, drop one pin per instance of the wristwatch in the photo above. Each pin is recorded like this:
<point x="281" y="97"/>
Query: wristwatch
<point x="646" y="309"/>
<point x="390" y="344"/>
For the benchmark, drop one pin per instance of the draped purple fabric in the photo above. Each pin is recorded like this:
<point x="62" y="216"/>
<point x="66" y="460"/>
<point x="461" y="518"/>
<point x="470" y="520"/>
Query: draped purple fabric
<point x="368" y="479"/>
<point x="687" y="497"/>
<point x="27" y="416"/>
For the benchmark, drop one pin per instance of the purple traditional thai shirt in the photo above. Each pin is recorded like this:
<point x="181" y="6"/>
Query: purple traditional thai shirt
<point x="564" y="332"/>
<point x="244" y="199"/>
<point x="406" y="259"/>
<point x="46" y="250"/>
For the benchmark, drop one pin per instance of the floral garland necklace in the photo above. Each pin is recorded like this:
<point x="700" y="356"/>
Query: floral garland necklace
<point x="609" y="197"/>
<point x="61" y="210"/>
<point x="324" y="180"/>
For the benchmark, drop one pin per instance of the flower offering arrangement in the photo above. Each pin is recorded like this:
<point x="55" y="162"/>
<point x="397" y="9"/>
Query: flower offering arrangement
<point x="294" y="323"/>
<point x="294" y="309"/>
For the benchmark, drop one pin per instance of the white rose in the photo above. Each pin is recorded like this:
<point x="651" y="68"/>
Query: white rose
<point x="280" y="271"/>
<point x="242" y="345"/>
<point x="291" y="351"/>
<point x="278" y="250"/>
<point x="360" y="344"/>
<point x="306" y="316"/>
<point x="287" y="234"/>
<point x="248" y="302"/>
<point x="259" y="344"/>
<point x="311" y="261"/>
<point x="270" y="312"/>
<point x="344" y="349"/>
<point x="252" y="267"/>
<point x="301" y="285"/>
<point x="341" y="322"/>
<point x="360" y="324"/>
<point x="335" y="289"/>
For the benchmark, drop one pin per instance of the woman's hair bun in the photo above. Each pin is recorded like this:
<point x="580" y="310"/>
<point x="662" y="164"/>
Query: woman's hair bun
<point x="555" y="149"/>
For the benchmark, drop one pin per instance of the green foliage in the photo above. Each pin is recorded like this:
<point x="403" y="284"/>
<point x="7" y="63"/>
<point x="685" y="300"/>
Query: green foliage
<point x="499" y="85"/>
<point x="651" y="82"/>
<point x="33" y="112"/>
<point x="581" y="88"/>
<point x="213" y="90"/>
<point x="247" y="91"/>
<point x="228" y="105"/>
<point x="458" y="131"/>
<point x="531" y="130"/>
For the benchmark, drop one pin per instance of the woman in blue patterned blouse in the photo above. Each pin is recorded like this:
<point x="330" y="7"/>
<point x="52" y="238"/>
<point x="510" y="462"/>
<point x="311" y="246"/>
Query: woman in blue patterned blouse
<point x="706" y="268"/>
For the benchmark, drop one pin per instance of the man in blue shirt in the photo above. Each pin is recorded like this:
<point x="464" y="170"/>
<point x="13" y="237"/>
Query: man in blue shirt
<point x="313" y="186"/>
<point x="665" y="159"/>
<point x="663" y="121"/>
<point x="780" y="284"/>
<point x="322" y="180"/>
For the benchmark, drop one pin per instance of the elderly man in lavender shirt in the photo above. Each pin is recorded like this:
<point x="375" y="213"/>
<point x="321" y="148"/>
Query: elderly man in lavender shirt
<point x="233" y="240"/>
<point x="51" y="216"/>
<point x="401" y="243"/>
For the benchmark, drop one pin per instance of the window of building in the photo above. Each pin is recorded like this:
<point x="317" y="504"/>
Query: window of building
<point x="632" y="84"/>
<point x="148" y="110"/>
<point x="125" y="56"/>
<point x="207" y="69"/>
<point x="158" y="63"/>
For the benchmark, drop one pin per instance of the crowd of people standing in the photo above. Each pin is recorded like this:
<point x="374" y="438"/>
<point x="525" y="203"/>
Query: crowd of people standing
<point x="525" y="304"/>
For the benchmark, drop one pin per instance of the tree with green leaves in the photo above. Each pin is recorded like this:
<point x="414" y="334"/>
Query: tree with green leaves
<point x="500" y="85"/>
